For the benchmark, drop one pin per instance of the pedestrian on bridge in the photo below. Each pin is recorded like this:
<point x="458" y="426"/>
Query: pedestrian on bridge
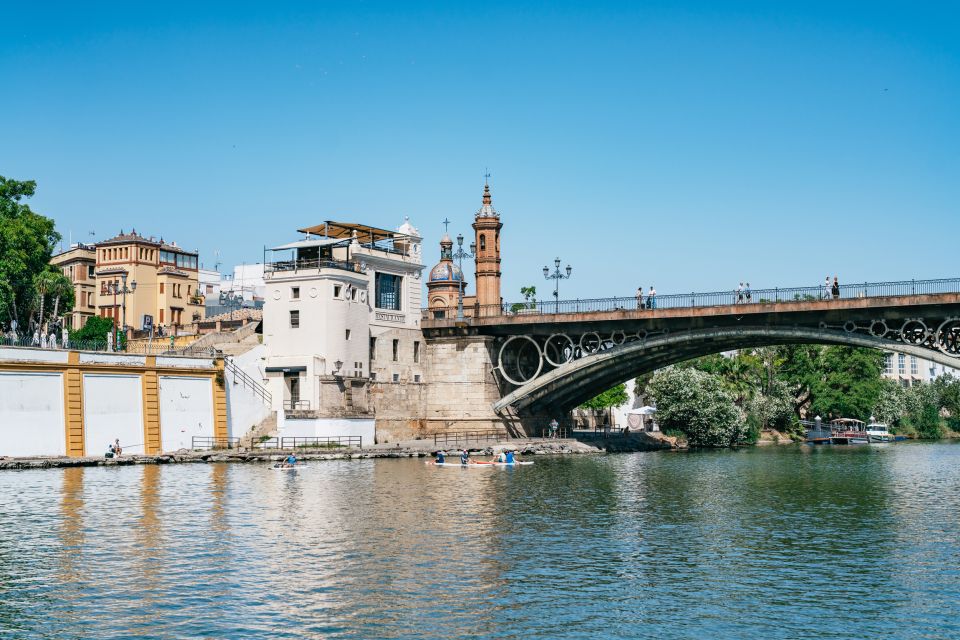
<point x="835" y="289"/>
<point x="826" y="289"/>
<point x="746" y="292"/>
<point x="640" y="297"/>
<point x="651" y="298"/>
<point x="740" y="293"/>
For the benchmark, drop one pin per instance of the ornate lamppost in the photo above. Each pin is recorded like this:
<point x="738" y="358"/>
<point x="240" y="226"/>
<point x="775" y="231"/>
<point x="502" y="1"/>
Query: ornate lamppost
<point x="556" y="276"/>
<point x="460" y="254"/>
<point x="123" y="290"/>
<point x="231" y="301"/>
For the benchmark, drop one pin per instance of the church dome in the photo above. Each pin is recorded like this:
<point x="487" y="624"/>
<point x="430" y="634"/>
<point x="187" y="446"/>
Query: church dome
<point x="445" y="272"/>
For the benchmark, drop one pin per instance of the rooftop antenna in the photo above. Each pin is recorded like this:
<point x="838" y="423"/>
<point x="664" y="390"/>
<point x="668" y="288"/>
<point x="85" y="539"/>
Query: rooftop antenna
<point x="217" y="263"/>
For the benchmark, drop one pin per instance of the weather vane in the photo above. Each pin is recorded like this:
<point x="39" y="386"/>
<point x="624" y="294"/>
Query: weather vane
<point x="486" y="176"/>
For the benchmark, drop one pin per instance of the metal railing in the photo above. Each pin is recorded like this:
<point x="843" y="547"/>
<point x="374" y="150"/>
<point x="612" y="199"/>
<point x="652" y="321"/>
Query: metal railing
<point x="266" y="443"/>
<point x="299" y="265"/>
<point x="296" y="405"/>
<point x="715" y="298"/>
<point x="239" y="377"/>
<point x="201" y="443"/>
<point x="159" y="347"/>
<point x="320" y="442"/>
<point x="466" y="437"/>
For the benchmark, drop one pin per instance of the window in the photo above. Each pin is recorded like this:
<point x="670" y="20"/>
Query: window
<point x="396" y="377"/>
<point x="387" y="291"/>
<point x="161" y="287"/>
<point x="373" y="375"/>
<point x="353" y="293"/>
<point x="416" y="351"/>
<point x="336" y="290"/>
<point x="373" y="348"/>
<point x="901" y="364"/>
<point x="396" y="350"/>
<point x="294" y="319"/>
<point x="348" y="336"/>
<point x="913" y="365"/>
<point x="91" y="272"/>
<point x="483" y="242"/>
<point x="161" y="316"/>
<point x="888" y="363"/>
<point x="416" y="378"/>
<point x="295" y="293"/>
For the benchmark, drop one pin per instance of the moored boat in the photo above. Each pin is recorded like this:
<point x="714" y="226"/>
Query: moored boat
<point x="878" y="432"/>
<point x="848" y="431"/>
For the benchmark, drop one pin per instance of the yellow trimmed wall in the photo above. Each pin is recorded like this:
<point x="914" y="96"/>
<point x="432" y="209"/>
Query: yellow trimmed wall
<point x="149" y="372"/>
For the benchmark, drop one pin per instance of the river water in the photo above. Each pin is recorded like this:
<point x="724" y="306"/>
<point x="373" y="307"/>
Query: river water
<point x="777" y="542"/>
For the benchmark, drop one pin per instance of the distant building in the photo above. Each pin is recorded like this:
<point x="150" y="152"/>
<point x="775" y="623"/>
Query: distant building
<point x="167" y="290"/>
<point x="908" y="370"/>
<point x="342" y="312"/>
<point x="79" y="265"/>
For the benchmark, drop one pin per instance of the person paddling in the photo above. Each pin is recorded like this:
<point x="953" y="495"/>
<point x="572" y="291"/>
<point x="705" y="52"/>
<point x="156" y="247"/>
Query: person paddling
<point x="291" y="461"/>
<point x="509" y="458"/>
<point x="441" y="456"/>
<point x="464" y="457"/>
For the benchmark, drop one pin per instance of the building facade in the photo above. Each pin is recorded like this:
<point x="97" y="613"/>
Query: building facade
<point x="161" y="282"/>
<point x="79" y="265"/>
<point x="342" y="315"/>
<point x="909" y="370"/>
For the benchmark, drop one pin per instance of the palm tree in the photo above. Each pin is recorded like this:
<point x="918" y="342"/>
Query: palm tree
<point x="52" y="283"/>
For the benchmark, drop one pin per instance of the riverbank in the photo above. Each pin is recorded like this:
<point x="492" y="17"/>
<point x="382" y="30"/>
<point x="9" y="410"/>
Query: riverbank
<point x="408" y="449"/>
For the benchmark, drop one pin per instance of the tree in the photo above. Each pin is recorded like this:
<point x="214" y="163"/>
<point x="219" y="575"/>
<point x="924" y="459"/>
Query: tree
<point x="530" y="299"/>
<point x="53" y="287"/>
<point x="93" y="333"/>
<point x="615" y="397"/>
<point x="697" y="404"/>
<point x="850" y="384"/>
<point x="27" y="240"/>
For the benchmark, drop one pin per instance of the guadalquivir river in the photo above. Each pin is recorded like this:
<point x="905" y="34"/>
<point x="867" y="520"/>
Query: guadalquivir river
<point x="779" y="542"/>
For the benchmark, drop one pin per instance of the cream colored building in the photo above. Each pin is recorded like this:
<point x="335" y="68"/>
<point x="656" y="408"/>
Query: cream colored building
<point x="908" y="370"/>
<point x="161" y="280"/>
<point x="79" y="265"/>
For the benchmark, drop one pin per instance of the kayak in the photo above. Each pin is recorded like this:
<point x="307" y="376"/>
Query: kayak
<point x="472" y="465"/>
<point x="506" y="464"/>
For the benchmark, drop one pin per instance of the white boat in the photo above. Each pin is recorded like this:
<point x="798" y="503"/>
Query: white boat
<point x="877" y="432"/>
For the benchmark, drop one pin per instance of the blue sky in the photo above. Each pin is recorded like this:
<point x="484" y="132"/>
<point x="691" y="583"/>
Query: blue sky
<point x="685" y="145"/>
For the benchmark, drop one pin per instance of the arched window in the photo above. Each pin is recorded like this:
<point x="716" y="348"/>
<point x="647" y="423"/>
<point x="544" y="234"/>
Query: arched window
<point x="483" y="242"/>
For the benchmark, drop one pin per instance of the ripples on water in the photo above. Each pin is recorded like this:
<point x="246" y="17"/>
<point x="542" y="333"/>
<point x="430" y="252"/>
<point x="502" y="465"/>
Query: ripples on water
<point x="777" y="543"/>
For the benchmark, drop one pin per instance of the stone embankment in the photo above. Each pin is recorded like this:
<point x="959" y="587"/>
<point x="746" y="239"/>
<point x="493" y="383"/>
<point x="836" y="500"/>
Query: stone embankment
<point x="410" y="449"/>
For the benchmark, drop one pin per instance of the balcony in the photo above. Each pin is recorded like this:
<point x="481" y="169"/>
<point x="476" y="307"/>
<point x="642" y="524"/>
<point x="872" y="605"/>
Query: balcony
<point x="292" y="266"/>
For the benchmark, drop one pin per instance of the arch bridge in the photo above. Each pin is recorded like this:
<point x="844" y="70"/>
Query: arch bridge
<point x="553" y="356"/>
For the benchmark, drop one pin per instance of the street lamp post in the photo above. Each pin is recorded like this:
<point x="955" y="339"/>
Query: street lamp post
<point x="556" y="276"/>
<point x="231" y="301"/>
<point x="123" y="290"/>
<point x="460" y="254"/>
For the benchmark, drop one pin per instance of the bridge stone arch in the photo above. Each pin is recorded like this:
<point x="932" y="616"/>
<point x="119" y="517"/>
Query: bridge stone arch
<point x="578" y="380"/>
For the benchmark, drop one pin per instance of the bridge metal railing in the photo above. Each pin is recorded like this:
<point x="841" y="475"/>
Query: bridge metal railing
<point x="715" y="298"/>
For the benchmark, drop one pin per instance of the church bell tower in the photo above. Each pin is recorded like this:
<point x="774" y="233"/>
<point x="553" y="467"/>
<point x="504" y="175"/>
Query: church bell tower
<point x="486" y="226"/>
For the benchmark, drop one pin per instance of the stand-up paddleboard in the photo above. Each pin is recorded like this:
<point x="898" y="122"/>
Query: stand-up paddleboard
<point x="506" y="464"/>
<point x="472" y="465"/>
<point x="280" y="467"/>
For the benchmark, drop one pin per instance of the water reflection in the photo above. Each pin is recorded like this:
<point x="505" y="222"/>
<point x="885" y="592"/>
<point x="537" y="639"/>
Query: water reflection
<point x="714" y="544"/>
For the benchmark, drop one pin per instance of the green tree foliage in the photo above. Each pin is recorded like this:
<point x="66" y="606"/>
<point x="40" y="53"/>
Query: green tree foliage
<point x="850" y="382"/>
<point x="53" y="295"/>
<point x="93" y="334"/>
<point x="530" y="299"/>
<point x="697" y="404"/>
<point x="27" y="240"/>
<point x="615" y="397"/>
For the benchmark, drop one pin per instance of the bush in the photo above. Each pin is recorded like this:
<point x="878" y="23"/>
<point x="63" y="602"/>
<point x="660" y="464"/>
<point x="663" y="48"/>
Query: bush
<point x="696" y="403"/>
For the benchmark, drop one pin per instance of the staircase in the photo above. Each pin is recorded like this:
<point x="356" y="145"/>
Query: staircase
<point x="268" y="427"/>
<point x="237" y="376"/>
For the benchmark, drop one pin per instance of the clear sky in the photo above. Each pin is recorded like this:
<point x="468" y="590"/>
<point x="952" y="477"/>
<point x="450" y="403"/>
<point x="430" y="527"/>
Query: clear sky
<point x="685" y="145"/>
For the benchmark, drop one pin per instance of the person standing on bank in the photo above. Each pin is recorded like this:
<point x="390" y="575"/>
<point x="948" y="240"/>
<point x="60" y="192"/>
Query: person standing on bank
<point x="835" y="289"/>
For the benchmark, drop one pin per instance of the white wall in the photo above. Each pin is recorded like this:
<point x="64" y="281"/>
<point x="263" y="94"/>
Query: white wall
<point x="112" y="408"/>
<point x="326" y="427"/>
<point x="186" y="410"/>
<point x="31" y="414"/>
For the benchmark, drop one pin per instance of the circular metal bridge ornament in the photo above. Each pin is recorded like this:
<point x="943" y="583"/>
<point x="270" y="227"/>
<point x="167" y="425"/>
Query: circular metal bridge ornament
<point x="947" y="338"/>
<point x="914" y="331"/>
<point x="519" y="360"/>
<point x="562" y="345"/>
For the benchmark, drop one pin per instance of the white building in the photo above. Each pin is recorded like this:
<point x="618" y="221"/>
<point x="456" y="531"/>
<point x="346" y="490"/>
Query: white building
<point x="908" y="370"/>
<point x="342" y="310"/>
